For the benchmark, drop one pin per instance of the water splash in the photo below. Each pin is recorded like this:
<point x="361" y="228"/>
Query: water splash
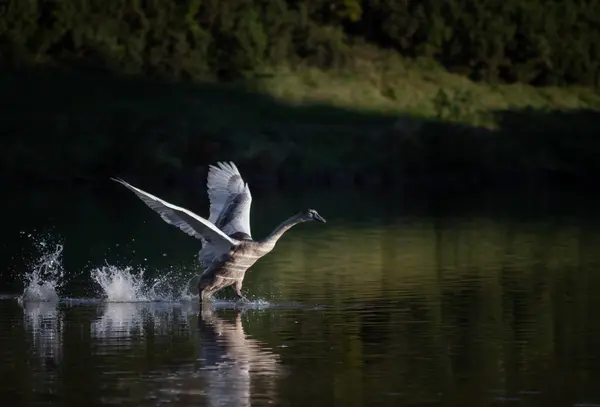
<point x="46" y="278"/>
<point x="128" y="285"/>
<point x="46" y="275"/>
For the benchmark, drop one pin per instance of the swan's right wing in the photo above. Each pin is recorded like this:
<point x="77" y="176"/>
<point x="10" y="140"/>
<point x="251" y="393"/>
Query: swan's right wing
<point x="230" y="199"/>
<point x="184" y="219"/>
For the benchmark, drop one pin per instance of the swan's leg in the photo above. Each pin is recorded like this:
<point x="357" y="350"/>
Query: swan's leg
<point x="205" y="296"/>
<point x="238" y="290"/>
<point x="205" y="290"/>
<point x="207" y="285"/>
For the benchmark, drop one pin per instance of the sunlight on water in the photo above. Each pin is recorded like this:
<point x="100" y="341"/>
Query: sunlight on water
<point x="46" y="275"/>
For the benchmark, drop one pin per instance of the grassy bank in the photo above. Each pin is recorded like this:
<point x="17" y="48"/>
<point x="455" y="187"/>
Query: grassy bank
<point x="377" y="122"/>
<point x="422" y="89"/>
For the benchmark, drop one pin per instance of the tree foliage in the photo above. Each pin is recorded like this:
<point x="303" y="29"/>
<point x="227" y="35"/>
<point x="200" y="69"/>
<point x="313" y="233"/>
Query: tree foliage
<point x="529" y="41"/>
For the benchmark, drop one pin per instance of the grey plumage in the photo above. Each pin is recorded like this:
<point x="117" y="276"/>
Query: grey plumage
<point x="228" y="249"/>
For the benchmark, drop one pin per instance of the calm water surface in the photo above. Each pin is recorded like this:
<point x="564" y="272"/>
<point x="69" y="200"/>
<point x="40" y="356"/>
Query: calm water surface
<point x="400" y="299"/>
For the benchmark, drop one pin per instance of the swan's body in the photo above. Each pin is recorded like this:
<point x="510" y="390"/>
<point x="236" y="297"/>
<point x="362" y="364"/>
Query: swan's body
<point x="228" y="249"/>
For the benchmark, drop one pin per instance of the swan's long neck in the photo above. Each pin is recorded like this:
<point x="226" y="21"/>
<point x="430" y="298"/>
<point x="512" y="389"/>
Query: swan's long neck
<point x="270" y="240"/>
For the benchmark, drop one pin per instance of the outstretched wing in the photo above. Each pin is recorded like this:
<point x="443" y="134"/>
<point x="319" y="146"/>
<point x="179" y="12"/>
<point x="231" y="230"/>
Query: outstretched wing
<point x="230" y="199"/>
<point x="184" y="219"/>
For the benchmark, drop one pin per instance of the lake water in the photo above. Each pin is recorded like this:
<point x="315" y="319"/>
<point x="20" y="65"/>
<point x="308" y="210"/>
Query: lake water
<point x="399" y="299"/>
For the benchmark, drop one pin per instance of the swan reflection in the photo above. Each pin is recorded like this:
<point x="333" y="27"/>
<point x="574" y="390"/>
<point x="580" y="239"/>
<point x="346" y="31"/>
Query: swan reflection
<point x="233" y="362"/>
<point x="231" y="368"/>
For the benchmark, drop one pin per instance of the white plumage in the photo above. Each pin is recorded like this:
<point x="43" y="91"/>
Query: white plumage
<point x="228" y="248"/>
<point x="230" y="202"/>
<point x="230" y="199"/>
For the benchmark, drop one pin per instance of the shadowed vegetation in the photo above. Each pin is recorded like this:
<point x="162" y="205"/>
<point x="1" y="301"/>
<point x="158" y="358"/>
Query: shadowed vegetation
<point x="300" y="92"/>
<point x="102" y="126"/>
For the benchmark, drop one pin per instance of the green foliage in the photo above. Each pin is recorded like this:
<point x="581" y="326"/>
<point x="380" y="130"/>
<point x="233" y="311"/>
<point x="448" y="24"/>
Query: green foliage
<point x="348" y="9"/>
<point x="539" y="42"/>
<point x="191" y="39"/>
<point x="530" y="41"/>
<point x="455" y="107"/>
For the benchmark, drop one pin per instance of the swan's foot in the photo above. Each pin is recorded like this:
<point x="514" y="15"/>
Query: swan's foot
<point x="238" y="291"/>
<point x="241" y="297"/>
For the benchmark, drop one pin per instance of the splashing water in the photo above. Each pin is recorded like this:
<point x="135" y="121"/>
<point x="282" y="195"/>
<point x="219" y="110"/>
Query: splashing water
<point x="46" y="275"/>
<point x="128" y="285"/>
<point x="46" y="278"/>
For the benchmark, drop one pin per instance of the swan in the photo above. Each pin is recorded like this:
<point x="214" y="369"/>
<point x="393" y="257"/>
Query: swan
<point x="228" y="249"/>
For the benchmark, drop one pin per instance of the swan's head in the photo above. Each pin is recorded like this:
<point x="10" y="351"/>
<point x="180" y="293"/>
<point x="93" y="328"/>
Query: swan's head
<point x="311" y="214"/>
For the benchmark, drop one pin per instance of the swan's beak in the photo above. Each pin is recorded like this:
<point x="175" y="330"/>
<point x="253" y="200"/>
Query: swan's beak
<point x="319" y="218"/>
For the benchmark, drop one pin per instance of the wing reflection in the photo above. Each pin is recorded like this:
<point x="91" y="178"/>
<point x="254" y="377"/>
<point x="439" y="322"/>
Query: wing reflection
<point x="236" y="367"/>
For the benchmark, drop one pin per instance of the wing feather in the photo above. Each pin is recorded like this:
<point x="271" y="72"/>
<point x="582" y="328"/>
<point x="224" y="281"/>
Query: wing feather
<point x="182" y="218"/>
<point x="230" y="199"/>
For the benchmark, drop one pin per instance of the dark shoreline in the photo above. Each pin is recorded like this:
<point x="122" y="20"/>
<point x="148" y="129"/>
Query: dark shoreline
<point x="163" y="133"/>
<point x="193" y="182"/>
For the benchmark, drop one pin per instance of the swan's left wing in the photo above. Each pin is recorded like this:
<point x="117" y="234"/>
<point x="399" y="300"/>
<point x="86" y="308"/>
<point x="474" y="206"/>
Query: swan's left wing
<point x="184" y="219"/>
<point x="230" y="199"/>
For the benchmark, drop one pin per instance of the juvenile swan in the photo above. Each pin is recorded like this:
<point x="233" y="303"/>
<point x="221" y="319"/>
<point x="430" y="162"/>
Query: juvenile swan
<point x="228" y="249"/>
